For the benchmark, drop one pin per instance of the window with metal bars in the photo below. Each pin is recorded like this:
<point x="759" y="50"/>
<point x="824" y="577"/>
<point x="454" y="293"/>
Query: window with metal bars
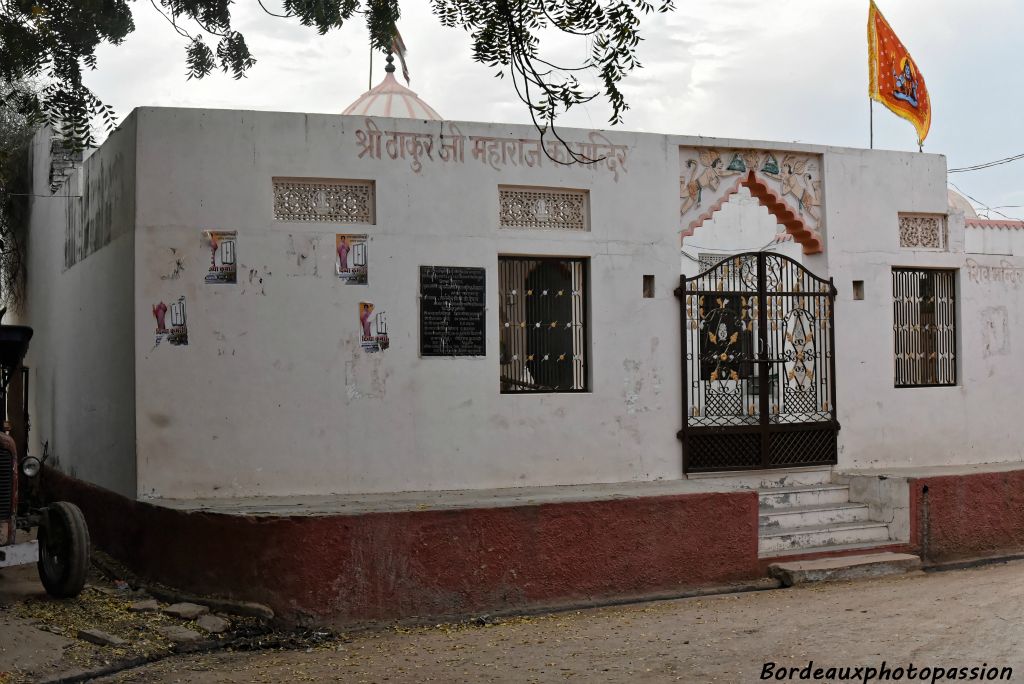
<point x="924" y="326"/>
<point x="543" y="324"/>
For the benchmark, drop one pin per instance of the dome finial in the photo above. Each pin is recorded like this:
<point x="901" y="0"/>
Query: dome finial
<point x="391" y="98"/>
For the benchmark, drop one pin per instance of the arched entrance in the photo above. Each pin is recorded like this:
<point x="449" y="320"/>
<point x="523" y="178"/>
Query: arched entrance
<point x="758" y="367"/>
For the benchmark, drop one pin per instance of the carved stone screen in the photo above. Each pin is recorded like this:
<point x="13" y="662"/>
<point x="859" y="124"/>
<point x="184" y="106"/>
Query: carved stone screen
<point x="452" y="311"/>
<point x="543" y="208"/>
<point x="324" y="200"/>
<point x="922" y="231"/>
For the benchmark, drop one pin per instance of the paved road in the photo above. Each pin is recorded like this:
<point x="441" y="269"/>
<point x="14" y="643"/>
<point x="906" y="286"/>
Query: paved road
<point x="951" y="620"/>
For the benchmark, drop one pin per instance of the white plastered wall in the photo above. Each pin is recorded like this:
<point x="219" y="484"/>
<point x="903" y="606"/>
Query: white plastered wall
<point x="994" y="240"/>
<point x="82" y="400"/>
<point x="741" y="225"/>
<point x="273" y="394"/>
<point x="884" y="426"/>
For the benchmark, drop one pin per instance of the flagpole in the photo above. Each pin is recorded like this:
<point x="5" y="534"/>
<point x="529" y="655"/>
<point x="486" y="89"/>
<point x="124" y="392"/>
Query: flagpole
<point x="371" y="68"/>
<point x="871" y="125"/>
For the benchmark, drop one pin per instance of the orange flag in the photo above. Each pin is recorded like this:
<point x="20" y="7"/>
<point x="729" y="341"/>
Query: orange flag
<point x="895" y="80"/>
<point x="398" y="47"/>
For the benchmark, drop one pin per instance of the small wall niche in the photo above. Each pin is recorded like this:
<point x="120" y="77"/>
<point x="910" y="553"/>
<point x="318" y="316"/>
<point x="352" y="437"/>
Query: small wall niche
<point x="648" y="287"/>
<point x="858" y="290"/>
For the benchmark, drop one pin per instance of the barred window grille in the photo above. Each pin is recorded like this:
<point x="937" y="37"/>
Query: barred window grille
<point x="543" y="208"/>
<point x="543" y="324"/>
<point x="324" y="200"/>
<point x="924" y="323"/>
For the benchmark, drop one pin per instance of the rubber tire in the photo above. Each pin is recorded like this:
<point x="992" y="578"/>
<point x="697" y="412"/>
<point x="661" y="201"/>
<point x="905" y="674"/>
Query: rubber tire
<point x="67" y="579"/>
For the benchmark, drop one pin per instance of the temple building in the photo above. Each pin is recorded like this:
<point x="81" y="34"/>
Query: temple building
<point x="384" y="364"/>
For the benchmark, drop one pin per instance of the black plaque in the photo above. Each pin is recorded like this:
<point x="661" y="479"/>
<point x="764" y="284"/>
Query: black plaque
<point x="452" y="318"/>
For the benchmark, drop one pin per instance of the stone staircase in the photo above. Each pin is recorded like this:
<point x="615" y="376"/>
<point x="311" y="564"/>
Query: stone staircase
<point x="813" y="517"/>
<point x="802" y="511"/>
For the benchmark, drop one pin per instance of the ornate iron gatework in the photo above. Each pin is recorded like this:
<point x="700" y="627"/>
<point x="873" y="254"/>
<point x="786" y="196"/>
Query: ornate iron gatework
<point x="759" y="370"/>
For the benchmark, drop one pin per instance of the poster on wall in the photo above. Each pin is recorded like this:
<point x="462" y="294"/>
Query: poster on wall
<point x="170" y="323"/>
<point x="351" y="263"/>
<point x="373" y="327"/>
<point x="452" y="311"/>
<point x="223" y="264"/>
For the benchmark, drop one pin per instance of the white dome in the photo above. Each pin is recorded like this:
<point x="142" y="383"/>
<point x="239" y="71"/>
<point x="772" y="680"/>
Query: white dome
<point x="959" y="203"/>
<point x="391" y="98"/>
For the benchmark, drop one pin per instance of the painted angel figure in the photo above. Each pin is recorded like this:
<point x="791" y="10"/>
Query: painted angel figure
<point x="713" y="172"/>
<point x="798" y="181"/>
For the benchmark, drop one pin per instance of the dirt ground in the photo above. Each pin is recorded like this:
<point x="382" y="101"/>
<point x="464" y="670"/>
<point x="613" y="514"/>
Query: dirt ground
<point x="39" y="635"/>
<point x="951" y="619"/>
<point x="23" y="646"/>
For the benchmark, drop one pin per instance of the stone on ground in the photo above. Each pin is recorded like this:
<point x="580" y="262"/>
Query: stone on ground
<point x="147" y="606"/>
<point x="178" y="634"/>
<point x="844" y="568"/>
<point x="186" y="611"/>
<point x="213" y="624"/>
<point x="100" y="638"/>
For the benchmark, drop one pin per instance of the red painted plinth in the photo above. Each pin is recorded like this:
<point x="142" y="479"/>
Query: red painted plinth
<point x="346" y="569"/>
<point x="968" y="516"/>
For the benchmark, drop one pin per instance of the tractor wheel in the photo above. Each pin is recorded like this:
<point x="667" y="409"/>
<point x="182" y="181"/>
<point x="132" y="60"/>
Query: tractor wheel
<point x="63" y="551"/>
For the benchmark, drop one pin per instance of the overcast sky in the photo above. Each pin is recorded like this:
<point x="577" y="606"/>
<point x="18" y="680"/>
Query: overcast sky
<point x="789" y="70"/>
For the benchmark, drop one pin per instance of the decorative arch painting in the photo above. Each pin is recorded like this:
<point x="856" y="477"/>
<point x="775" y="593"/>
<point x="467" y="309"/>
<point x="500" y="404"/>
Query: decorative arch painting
<point x="787" y="183"/>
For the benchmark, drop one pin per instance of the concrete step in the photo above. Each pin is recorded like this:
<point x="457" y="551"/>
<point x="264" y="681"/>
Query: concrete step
<point x="763" y="479"/>
<point x="804" y="495"/>
<point x="844" y="568"/>
<point x="822" y="536"/>
<point x="773" y="519"/>
<point x="866" y="547"/>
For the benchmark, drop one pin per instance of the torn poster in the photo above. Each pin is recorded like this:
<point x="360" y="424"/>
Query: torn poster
<point x="223" y="265"/>
<point x="351" y="263"/>
<point x="170" y="323"/>
<point x="373" y="328"/>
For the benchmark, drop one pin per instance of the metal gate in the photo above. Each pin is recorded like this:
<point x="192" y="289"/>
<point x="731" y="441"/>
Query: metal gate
<point x="758" y="367"/>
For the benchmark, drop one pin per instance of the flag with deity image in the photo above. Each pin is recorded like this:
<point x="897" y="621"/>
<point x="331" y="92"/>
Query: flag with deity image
<point x="894" y="79"/>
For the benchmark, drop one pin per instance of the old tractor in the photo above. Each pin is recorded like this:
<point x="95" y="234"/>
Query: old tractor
<point x="60" y="549"/>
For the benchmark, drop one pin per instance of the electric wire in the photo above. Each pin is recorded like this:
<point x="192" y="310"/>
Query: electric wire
<point x="986" y="165"/>
<point x="984" y="206"/>
<point x="723" y="252"/>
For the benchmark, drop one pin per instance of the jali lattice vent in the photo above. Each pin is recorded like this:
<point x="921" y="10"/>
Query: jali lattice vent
<point x="544" y="208"/>
<point x="323" y="200"/>
<point x="922" y="231"/>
